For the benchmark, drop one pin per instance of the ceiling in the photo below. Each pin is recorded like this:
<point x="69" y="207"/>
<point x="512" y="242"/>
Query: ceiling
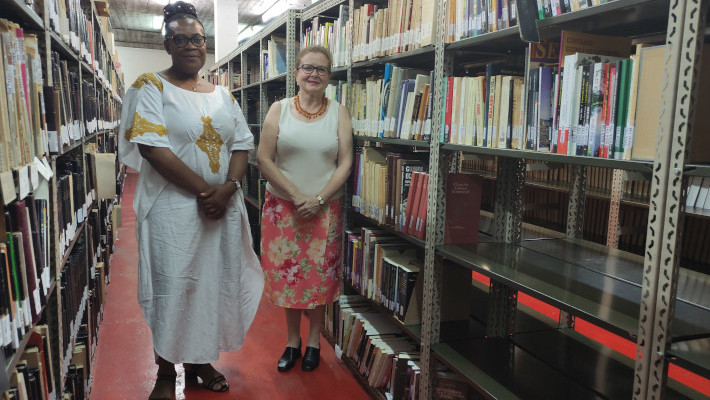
<point x="132" y="20"/>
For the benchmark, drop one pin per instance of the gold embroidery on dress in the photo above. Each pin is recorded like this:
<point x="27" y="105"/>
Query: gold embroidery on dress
<point x="210" y="142"/>
<point x="148" y="77"/>
<point x="142" y="125"/>
<point x="232" y="96"/>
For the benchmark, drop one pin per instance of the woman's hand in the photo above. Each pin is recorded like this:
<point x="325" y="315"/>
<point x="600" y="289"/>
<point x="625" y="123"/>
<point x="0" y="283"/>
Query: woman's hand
<point x="309" y="208"/>
<point x="213" y="202"/>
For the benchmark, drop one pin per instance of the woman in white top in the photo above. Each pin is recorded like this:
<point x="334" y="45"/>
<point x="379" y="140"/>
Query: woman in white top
<point x="199" y="281"/>
<point x="305" y="154"/>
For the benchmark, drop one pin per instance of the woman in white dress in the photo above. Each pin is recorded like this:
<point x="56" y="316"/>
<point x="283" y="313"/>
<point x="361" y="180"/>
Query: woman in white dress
<point x="199" y="281"/>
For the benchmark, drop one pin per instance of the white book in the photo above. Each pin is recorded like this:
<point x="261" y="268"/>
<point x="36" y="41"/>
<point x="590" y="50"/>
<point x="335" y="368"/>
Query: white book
<point x="693" y="191"/>
<point x="703" y="193"/>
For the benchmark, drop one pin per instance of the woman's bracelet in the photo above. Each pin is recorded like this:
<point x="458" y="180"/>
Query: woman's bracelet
<point x="236" y="183"/>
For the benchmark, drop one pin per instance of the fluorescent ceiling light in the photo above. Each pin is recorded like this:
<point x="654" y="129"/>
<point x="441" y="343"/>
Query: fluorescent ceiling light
<point x="261" y="7"/>
<point x="157" y="21"/>
<point x="277" y="9"/>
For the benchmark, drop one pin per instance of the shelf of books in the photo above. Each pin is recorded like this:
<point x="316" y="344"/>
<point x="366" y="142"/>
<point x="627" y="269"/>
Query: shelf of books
<point x="506" y="175"/>
<point x="60" y="105"/>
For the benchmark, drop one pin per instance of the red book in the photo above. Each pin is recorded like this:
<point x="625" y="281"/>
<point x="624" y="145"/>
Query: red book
<point x="449" y="105"/>
<point x="422" y="209"/>
<point x="463" y="208"/>
<point x="412" y="202"/>
<point x="36" y="358"/>
<point x="610" y="113"/>
<point x="419" y="190"/>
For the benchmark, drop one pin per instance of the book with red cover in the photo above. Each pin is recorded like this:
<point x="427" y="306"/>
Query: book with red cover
<point x="449" y="106"/>
<point x="412" y="201"/>
<point x="420" y="224"/>
<point x="36" y="340"/>
<point x="463" y="208"/>
<point x="404" y="169"/>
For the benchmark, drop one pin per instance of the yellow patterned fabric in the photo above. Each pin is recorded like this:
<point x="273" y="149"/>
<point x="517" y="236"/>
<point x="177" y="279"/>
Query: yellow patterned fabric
<point x="141" y="126"/>
<point x="148" y="77"/>
<point x="210" y="142"/>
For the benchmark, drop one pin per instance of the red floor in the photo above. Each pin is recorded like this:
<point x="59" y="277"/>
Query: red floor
<point x="124" y="367"/>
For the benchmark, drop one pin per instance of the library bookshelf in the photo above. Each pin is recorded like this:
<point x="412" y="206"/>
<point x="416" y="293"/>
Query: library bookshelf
<point x="70" y="183"/>
<point x="610" y="242"/>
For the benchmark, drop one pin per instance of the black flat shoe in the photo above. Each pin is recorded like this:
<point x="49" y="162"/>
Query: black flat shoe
<point x="311" y="359"/>
<point x="289" y="357"/>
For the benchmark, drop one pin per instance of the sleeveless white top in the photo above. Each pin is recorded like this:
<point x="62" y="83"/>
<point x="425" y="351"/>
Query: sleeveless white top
<point x="307" y="152"/>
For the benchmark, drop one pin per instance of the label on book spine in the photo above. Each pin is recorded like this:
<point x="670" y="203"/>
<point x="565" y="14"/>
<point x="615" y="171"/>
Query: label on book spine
<point x="7" y="185"/>
<point x="46" y="279"/>
<point x="53" y="139"/>
<point x="609" y="139"/>
<point x="34" y="175"/>
<point x="426" y="30"/>
<point x="27" y="313"/>
<point x="628" y="137"/>
<point x="426" y="132"/>
<point x="16" y="324"/>
<point x="6" y="330"/>
<point x="38" y="302"/>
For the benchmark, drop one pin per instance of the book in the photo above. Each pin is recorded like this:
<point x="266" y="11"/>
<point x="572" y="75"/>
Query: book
<point x="412" y="201"/>
<point x="648" y="107"/>
<point x="463" y="207"/>
<point x="421" y="211"/>
<point x="570" y="134"/>
<point x="450" y="386"/>
<point x="405" y="170"/>
<point x="572" y="42"/>
<point x="407" y="280"/>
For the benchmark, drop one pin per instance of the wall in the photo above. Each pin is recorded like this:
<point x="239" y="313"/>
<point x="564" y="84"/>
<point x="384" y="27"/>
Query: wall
<point x="135" y="61"/>
<point x="226" y="28"/>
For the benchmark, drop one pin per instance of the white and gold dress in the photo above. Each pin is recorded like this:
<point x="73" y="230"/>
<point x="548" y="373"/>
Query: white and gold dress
<point x="199" y="280"/>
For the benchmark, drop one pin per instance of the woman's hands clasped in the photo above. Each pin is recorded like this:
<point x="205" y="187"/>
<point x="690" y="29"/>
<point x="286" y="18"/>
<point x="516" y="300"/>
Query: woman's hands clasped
<point x="213" y="201"/>
<point x="307" y="207"/>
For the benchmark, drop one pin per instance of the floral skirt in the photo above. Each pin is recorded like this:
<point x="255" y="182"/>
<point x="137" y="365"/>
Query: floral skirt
<point x="300" y="257"/>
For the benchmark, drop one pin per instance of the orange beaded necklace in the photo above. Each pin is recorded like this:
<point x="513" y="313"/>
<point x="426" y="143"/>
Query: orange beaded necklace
<point x="307" y="114"/>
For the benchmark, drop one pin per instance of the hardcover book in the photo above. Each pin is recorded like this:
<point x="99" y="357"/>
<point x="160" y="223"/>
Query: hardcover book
<point x="463" y="208"/>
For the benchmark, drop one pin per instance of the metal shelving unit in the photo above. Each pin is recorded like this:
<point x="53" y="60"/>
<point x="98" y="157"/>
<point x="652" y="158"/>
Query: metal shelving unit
<point x="49" y="40"/>
<point x="18" y="10"/>
<point x="635" y="297"/>
<point x="628" y="165"/>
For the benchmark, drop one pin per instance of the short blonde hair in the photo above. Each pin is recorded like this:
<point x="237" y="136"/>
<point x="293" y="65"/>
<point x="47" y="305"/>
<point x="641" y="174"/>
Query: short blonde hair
<point x="315" y="49"/>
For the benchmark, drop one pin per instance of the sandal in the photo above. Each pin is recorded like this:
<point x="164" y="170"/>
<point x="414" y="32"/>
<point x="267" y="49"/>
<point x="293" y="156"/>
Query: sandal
<point x="164" y="378"/>
<point x="218" y="383"/>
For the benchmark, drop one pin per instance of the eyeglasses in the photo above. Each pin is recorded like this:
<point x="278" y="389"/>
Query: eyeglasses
<point x="182" y="40"/>
<point x="308" y="68"/>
